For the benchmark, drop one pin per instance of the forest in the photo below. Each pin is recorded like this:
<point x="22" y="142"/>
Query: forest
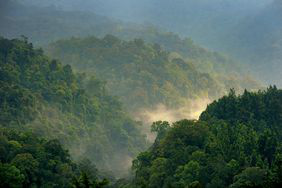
<point x="235" y="143"/>
<point x="140" y="94"/>
<point x="43" y="96"/>
<point x="144" y="75"/>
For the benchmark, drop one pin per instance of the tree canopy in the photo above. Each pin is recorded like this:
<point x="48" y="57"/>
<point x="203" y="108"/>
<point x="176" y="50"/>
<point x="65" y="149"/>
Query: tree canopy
<point x="236" y="143"/>
<point x="144" y="75"/>
<point x="47" y="98"/>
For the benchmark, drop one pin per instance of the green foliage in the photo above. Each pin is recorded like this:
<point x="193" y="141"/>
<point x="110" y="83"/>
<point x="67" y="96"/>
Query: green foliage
<point x="10" y="176"/>
<point x="28" y="161"/>
<point x="170" y="71"/>
<point x="160" y="128"/>
<point x="59" y="24"/>
<point x="236" y="143"/>
<point x="187" y="174"/>
<point x="144" y="75"/>
<point x="260" y="110"/>
<point x="44" y="97"/>
<point x="140" y="74"/>
<point x="251" y="177"/>
<point x="83" y="181"/>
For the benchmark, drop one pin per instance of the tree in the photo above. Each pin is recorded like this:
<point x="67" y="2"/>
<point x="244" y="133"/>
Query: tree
<point x="251" y="177"/>
<point x="158" y="173"/>
<point x="28" y="166"/>
<point x="10" y="176"/>
<point x="160" y="127"/>
<point x="187" y="174"/>
<point x="83" y="181"/>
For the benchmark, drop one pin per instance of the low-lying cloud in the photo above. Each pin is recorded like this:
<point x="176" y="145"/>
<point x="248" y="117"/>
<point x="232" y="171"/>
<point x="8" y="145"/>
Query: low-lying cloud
<point x="191" y="110"/>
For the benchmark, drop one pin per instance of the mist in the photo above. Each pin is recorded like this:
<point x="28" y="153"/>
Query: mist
<point x="221" y="25"/>
<point x="192" y="109"/>
<point x="173" y="58"/>
<point x="182" y="16"/>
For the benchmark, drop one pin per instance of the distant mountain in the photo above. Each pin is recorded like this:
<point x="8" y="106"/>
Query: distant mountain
<point x="217" y="24"/>
<point x="45" y="24"/>
<point x="203" y="20"/>
<point x="259" y="41"/>
<point x="249" y="31"/>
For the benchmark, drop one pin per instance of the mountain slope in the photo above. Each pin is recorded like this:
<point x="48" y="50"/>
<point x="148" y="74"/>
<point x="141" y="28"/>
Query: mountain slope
<point x="144" y="75"/>
<point x="47" y="98"/>
<point x="248" y="31"/>
<point x="47" y="24"/>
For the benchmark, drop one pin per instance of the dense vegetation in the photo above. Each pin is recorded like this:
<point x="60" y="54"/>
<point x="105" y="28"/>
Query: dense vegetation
<point x="29" y="161"/>
<point x="19" y="19"/>
<point x="48" y="99"/>
<point x="144" y="75"/>
<point x="246" y="30"/>
<point x="71" y="124"/>
<point x="236" y="143"/>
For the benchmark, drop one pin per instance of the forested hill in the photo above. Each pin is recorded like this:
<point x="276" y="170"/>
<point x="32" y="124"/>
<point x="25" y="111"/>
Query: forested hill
<point x="43" y="96"/>
<point x="144" y="75"/>
<point x="30" y="161"/>
<point x="78" y="91"/>
<point x="246" y="30"/>
<point x="236" y="143"/>
<point x="43" y="25"/>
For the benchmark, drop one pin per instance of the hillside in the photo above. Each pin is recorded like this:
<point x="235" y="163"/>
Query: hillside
<point x="145" y="75"/>
<point x="236" y="143"/>
<point x="140" y="93"/>
<point x="248" y="31"/>
<point x="30" y="161"/>
<point x="46" y="24"/>
<point x="43" y="96"/>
